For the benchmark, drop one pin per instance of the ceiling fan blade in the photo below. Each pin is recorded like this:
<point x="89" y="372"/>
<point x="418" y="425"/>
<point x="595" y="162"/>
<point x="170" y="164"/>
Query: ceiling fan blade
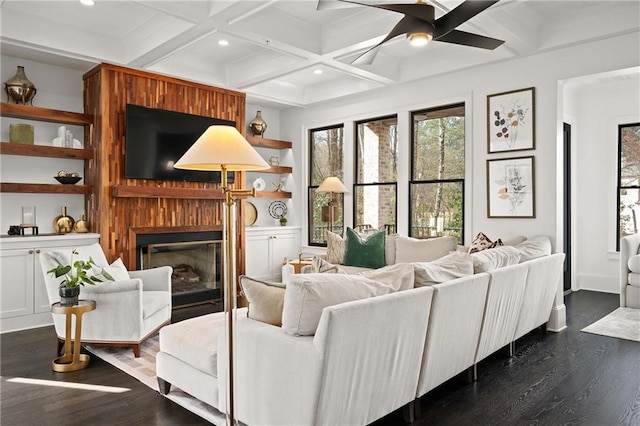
<point x="459" y="15"/>
<point x="469" y="39"/>
<point x="336" y="4"/>
<point x="405" y="25"/>
<point x="422" y="11"/>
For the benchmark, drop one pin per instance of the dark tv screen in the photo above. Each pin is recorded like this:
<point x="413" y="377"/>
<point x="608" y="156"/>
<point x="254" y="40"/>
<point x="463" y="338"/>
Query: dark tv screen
<point x="156" y="139"/>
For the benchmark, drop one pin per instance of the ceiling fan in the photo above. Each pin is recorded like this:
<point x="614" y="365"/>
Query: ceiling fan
<point x="420" y="25"/>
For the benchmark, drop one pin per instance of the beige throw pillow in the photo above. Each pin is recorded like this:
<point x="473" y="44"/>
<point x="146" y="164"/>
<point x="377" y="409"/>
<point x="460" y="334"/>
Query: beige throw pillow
<point x="266" y="300"/>
<point x="410" y="250"/>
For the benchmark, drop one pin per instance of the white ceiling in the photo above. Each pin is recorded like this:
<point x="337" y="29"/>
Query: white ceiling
<point x="274" y="46"/>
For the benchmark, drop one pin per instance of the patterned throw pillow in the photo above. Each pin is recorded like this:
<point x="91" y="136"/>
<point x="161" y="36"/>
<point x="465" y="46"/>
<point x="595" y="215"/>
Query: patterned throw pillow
<point x="482" y="242"/>
<point x="335" y="248"/>
<point x="319" y="265"/>
<point x="367" y="253"/>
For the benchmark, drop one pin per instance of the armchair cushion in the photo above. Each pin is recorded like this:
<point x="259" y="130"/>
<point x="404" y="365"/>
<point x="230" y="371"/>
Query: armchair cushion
<point x="634" y="263"/>
<point x="117" y="270"/>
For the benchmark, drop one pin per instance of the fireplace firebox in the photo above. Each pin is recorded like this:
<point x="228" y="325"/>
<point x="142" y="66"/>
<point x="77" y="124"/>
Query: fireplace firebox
<point x="196" y="259"/>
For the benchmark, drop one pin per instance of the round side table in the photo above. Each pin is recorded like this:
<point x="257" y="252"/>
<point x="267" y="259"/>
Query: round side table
<point x="72" y="361"/>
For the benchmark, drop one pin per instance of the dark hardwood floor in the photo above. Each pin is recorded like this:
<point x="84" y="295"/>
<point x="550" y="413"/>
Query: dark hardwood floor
<point x="568" y="378"/>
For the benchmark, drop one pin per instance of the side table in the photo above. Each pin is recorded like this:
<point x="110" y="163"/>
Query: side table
<point x="299" y="264"/>
<point x="72" y="361"/>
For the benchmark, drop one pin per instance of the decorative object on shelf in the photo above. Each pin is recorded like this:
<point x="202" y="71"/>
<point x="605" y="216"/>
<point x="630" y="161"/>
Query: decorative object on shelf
<point x="277" y="187"/>
<point x="223" y="148"/>
<point x="21" y="133"/>
<point x="63" y="224"/>
<point x="14" y="230"/>
<point x="277" y="209"/>
<point x="274" y="160"/>
<point x="511" y="121"/>
<point x="81" y="226"/>
<point x="20" y="88"/>
<point x="77" y="274"/>
<point x="259" y="184"/>
<point x="65" y="139"/>
<point x="258" y="126"/>
<point x="67" y="178"/>
<point x="251" y="214"/>
<point x="333" y="186"/>
<point x="283" y="221"/>
<point x="29" y="220"/>
<point x="511" y="188"/>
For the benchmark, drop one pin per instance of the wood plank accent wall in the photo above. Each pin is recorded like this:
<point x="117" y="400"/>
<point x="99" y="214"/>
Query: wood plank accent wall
<point x="107" y="90"/>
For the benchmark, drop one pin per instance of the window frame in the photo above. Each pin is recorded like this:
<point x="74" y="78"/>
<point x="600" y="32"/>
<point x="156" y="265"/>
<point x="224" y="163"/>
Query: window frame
<point x="619" y="186"/>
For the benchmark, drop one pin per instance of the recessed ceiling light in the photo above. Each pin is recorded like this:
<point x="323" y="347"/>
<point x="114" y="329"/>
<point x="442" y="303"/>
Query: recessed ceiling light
<point x="317" y="71"/>
<point x="87" y="2"/>
<point x="223" y="42"/>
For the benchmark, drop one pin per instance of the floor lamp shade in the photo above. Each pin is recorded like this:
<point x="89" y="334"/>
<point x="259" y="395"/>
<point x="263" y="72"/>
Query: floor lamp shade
<point x="332" y="185"/>
<point x="224" y="148"/>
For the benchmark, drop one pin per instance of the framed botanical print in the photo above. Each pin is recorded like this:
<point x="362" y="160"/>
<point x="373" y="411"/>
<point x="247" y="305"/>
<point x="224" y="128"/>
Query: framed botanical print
<point x="511" y="121"/>
<point x="511" y="188"/>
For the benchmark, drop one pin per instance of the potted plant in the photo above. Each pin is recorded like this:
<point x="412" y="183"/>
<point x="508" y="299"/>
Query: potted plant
<point x="283" y="220"/>
<point x="77" y="274"/>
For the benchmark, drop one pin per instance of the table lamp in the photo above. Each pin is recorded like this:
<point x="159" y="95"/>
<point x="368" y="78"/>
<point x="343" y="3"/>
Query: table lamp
<point x="333" y="186"/>
<point x="223" y="148"/>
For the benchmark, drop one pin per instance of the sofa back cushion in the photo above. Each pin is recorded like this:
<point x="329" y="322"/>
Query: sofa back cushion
<point x="490" y="259"/>
<point x="307" y="295"/>
<point x="415" y="250"/>
<point x="449" y="267"/>
<point x="534" y="247"/>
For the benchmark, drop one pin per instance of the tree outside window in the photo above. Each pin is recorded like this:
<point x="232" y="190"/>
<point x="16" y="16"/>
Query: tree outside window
<point x="437" y="173"/>
<point x="628" y="180"/>
<point x="326" y="153"/>
<point x="376" y="174"/>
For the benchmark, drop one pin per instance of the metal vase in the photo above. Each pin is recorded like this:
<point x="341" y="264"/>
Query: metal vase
<point x="258" y="126"/>
<point x="20" y="88"/>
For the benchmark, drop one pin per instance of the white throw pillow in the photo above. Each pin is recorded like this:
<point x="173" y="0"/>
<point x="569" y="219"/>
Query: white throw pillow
<point x="410" y="250"/>
<point x="490" y="259"/>
<point x="117" y="270"/>
<point x="307" y="295"/>
<point x="452" y="266"/>
<point x="336" y="246"/>
<point x="534" y="247"/>
<point x="634" y="263"/>
<point x="390" y="249"/>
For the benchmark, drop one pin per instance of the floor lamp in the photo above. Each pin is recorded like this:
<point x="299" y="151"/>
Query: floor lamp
<point x="333" y="186"/>
<point x="223" y="148"/>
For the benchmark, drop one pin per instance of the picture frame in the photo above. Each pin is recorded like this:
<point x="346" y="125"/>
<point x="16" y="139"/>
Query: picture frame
<point x="511" y="187"/>
<point x="511" y="124"/>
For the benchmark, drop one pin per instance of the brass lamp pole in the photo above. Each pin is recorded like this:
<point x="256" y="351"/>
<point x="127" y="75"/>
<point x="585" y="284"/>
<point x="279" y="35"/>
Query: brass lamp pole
<point x="223" y="148"/>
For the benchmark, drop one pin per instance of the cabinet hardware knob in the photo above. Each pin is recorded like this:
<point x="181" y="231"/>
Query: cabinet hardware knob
<point x="30" y="251"/>
<point x="38" y="251"/>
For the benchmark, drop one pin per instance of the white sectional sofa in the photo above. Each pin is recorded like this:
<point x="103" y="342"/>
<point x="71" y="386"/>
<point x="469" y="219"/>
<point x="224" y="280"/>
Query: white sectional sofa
<point x="367" y="357"/>
<point x="630" y="271"/>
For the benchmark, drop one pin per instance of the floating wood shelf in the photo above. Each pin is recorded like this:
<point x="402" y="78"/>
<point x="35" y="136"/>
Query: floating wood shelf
<point x="125" y="191"/>
<point x="278" y="169"/>
<point x="44" y="151"/>
<point x="268" y="143"/>
<point x="44" y="114"/>
<point x="45" y="188"/>
<point x="273" y="194"/>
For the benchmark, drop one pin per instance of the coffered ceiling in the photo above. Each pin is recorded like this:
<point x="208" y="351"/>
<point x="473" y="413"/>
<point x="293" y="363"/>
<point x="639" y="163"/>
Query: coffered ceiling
<point x="275" y="46"/>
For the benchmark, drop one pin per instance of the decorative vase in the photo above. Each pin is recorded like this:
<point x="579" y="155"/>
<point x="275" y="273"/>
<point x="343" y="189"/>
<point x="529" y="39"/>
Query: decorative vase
<point x="258" y="126"/>
<point x="81" y="226"/>
<point x="69" y="295"/>
<point x="63" y="224"/>
<point x="20" y="88"/>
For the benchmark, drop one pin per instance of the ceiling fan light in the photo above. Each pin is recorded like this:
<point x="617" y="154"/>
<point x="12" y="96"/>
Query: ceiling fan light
<point x="419" y="39"/>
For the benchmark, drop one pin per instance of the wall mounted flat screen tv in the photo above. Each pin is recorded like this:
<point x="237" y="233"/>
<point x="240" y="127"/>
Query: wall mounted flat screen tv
<point x="157" y="138"/>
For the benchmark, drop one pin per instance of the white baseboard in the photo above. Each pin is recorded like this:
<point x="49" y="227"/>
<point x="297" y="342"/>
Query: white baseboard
<point x="25" y="322"/>
<point x="601" y="283"/>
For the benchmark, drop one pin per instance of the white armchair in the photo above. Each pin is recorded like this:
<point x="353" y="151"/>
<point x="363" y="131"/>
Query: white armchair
<point x="630" y="271"/>
<point x="128" y="310"/>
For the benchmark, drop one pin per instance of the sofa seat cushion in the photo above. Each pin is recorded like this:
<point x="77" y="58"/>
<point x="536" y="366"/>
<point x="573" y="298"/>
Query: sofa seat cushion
<point x="410" y="249"/>
<point x="194" y="341"/>
<point x="634" y="263"/>
<point x="153" y="302"/>
<point x="634" y="279"/>
<point x="307" y="295"/>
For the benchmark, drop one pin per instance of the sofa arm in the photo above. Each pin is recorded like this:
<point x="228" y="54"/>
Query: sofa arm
<point x="628" y="247"/>
<point x="155" y="279"/>
<point x="277" y="375"/>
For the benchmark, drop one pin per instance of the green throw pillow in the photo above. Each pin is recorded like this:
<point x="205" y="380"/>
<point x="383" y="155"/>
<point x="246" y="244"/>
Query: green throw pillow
<point x="367" y="253"/>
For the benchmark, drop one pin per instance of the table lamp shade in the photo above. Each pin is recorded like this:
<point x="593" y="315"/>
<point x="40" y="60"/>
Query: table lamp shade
<point x="221" y="146"/>
<point x="332" y="184"/>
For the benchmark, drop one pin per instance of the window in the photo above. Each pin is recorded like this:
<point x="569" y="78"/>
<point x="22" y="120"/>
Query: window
<point x="325" y="159"/>
<point x="376" y="172"/>
<point x="628" y="180"/>
<point x="436" y="189"/>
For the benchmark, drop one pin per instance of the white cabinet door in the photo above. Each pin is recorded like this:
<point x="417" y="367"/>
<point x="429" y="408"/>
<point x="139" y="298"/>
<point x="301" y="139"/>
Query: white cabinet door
<point x="266" y="248"/>
<point x="16" y="276"/>
<point x="283" y="245"/>
<point x="256" y="256"/>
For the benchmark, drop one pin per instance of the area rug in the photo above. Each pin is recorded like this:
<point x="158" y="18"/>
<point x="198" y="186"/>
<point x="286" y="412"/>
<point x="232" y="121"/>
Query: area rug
<point x="144" y="369"/>
<point x="623" y="323"/>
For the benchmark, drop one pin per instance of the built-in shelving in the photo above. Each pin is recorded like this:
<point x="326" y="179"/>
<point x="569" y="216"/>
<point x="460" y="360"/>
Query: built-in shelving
<point x="268" y="143"/>
<point x="273" y="144"/>
<point x="125" y="191"/>
<point x="44" y="151"/>
<point x="28" y="112"/>
<point x="45" y="188"/>
<point x="273" y="194"/>
<point x="278" y="170"/>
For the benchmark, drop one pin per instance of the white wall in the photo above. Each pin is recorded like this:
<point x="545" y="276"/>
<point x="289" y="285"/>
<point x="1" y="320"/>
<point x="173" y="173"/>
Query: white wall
<point x="58" y="88"/>
<point x="597" y="109"/>
<point x="542" y="71"/>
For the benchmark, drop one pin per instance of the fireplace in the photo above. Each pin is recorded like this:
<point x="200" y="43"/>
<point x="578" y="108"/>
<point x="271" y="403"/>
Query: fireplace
<point x="196" y="259"/>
